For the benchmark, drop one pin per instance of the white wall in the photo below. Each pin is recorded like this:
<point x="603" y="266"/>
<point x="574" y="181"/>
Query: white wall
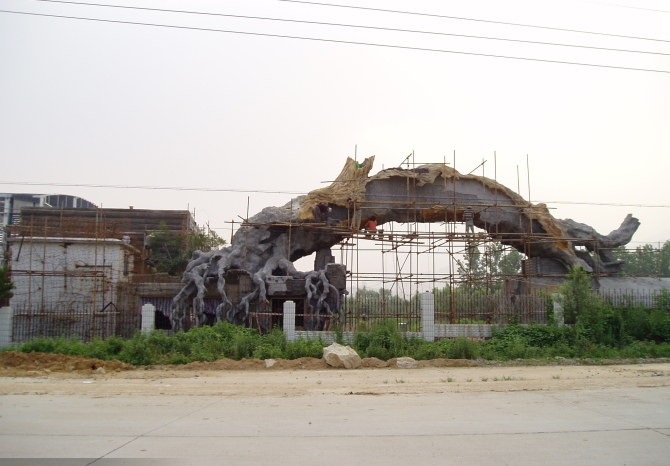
<point x="67" y="271"/>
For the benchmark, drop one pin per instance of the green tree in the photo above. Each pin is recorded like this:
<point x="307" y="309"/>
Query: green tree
<point x="492" y="264"/>
<point x="510" y="263"/>
<point x="472" y="267"/>
<point x="6" y="285"/>
<point x="646" y="260"/>
<point x="205" y="239"/>
<point x="577" y="294"/>
<point x="171" y="252"/>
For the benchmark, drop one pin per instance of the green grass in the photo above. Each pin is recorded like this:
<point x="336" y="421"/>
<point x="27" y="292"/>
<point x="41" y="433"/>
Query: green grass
<point x="600" y="334"/>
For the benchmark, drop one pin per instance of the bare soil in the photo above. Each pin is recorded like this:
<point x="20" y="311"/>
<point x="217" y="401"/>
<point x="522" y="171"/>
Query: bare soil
<point x="15" y="364"/>
<point x="39" y="373"/>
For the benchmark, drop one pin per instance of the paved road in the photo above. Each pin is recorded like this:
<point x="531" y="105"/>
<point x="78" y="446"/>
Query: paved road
<point x="614" y="426"/>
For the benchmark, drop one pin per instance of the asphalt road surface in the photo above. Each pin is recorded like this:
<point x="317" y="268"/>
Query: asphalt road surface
<point x="582" y="415"/>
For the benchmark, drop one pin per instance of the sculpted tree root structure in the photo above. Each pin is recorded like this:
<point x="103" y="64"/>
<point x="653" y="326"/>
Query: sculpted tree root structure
<point x="259" y="260"/>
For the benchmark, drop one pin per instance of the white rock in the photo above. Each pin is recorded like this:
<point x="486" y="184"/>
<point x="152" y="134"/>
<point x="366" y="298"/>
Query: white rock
<point x="270" y="362"/>
<point x="406" y="363"/>
<point x="337" y="355"/>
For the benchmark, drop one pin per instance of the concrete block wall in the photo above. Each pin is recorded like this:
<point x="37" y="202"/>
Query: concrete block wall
<point x="429" y="330"/>
<point x="71" y="271"/>
<point x="463" y="330"/>
<point x="428" y="316"/>
<point x="5" y="326"/>
<point x="148" y="318"/>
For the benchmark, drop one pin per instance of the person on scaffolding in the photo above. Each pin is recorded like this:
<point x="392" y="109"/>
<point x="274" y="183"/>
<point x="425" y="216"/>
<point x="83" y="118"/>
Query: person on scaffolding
<point x="321" y="212"/>
<point x="370" y="226"/>
<point x="351" y="214"/>
<point x="469" y="219"/>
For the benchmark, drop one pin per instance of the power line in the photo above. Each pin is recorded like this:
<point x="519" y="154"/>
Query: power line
<point x="157" y="188"/>
<point x="463" y="18"/>
<point x="260" y="191"/>
<point x="605" y="204"/>
<point x="337" y="41"/>
<point x="630" y="7"/>
<point x="356" y="26"/>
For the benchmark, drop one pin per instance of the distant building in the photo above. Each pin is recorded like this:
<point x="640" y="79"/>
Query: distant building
<point x="132" y="226"/>
<point x="90" y="261"/>
<point x="12" y="203"/>
<point x="68" y="273"/>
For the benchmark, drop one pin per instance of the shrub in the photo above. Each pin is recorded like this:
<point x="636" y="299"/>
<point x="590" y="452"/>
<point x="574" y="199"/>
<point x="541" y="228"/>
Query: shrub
<point x="267" y="351"/>
<point x="463" y="348"/>
<point x="659" y="326"/>
<point x="506" y="347"/>
<point x="55" y="345"/>
<point x="577" y="294"/>
<point x="275" y="338"/>
<point x="136" y="351"/>
<point x="105" y="349"/>
<point x="429" y="350"/>
<point x="244" y="344"/>
<point x="6" y="286"/>
<point x="637" y="323"/>
<point x="662" y="300"/>
<point x="383" y="341"/>
<point x="304" y="349"/>
<point x="602" y="325"/>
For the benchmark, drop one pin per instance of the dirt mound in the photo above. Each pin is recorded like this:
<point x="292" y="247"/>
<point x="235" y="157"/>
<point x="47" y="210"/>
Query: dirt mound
<point x="21" y="364"/>
<point x="257" y="364"/>
<point x="13" y="363"/>
<point x="443" y="362"/>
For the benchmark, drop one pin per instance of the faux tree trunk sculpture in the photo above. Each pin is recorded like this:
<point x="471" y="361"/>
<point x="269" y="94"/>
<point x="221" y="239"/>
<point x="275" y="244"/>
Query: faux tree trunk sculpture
<point x="267" y="243"/>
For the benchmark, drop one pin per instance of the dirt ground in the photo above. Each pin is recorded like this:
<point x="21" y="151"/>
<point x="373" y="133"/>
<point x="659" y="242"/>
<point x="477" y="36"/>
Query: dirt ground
<point x="37" y="373"/>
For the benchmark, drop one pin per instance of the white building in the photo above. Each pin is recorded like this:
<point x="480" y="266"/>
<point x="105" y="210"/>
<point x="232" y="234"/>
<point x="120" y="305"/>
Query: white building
<point x="12" y="203"/>
<point x="68" y="273"/>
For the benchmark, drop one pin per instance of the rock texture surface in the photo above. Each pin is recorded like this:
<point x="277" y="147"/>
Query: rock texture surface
<point x="267" y="244"/>
<point x="341" y="356"/>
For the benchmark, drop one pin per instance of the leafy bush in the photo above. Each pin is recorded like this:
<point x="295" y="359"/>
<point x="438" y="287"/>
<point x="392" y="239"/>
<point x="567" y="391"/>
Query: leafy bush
<point x="6" y="286"/>
<point x="383" y="341"/>
<point x="577" y="295"/>
<point x="637" y="322"/>
<point x="243" y="346"/>
<point x="662" y="300"/>
<point x="599" y="332"/>
<point x="136" y="351"/>
<point x="267" y="351"/>
<point x="528" y="341"/>
<point x="430" y="350"/>
<point x="463" y="348"/>
<point x="55" y="345"/>
<point x="659" y="325"/>
<point x="105" y="349"/>
<point x="602" y="325"/>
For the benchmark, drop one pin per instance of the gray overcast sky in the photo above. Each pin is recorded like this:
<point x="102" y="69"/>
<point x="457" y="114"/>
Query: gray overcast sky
<point x="121" y="104"/>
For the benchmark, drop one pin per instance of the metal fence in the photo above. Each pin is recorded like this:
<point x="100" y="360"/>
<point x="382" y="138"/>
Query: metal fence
<point x="635" y="298"/>
<point x="362" y="312"/>
<point x="451" y="308"/>
<point x="491" y="308"/>
<point x="73" y="322"/>
<point x="358" y="314"/>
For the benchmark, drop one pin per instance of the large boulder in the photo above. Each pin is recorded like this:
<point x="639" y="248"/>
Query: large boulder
<point x="337" y="355"/>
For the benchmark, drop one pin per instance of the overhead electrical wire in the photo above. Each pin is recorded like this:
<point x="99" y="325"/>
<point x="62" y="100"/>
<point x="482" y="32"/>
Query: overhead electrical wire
<point x="464" y="18"/>
<point x="631" y="7"/>
<point x="353" y="26"/>
<point x="260" y="191"/>
<point x="337" y="41"/>
<point x="157" y="188"/>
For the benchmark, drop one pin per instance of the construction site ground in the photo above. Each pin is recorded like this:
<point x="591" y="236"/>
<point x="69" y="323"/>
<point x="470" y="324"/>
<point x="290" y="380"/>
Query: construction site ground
<point x="375" y="377"/>
<point x="241" y="412"/>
